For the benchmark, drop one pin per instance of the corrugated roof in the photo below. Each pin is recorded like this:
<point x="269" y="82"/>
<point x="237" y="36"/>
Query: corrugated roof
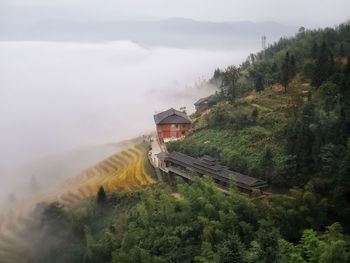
<point x="208" y="166"/>
<point x="161" y="156"/>
<point x="172" y="116"/>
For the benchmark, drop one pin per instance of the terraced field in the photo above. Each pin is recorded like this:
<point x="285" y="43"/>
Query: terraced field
<point x="124" y="171"/>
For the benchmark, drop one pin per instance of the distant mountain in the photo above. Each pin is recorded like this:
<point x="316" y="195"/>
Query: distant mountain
<point x="174" y="32"/>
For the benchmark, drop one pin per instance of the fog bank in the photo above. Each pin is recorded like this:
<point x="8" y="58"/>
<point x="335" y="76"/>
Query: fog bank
<point x="55" y="97"/>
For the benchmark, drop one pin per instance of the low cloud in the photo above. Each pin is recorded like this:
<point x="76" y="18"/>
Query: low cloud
<point x="55" y="97"/>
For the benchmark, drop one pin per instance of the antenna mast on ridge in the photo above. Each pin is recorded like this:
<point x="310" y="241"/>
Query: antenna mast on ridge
<point x="263" y="45"/>
<point x="263" y="42"/>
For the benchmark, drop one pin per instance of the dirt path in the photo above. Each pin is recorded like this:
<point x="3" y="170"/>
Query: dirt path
<point x="260" y="107"/>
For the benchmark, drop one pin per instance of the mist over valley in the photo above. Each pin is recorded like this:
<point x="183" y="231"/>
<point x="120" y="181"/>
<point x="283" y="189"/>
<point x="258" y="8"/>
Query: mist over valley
<point x="60" y="96"/>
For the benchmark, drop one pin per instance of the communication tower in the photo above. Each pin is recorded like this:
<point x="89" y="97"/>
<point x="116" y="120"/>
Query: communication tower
<point x="263" y="42"/>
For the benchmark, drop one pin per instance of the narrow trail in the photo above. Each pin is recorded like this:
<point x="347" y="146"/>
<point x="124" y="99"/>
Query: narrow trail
<point x="124" y="171"/>
<point x="254" y="105"/>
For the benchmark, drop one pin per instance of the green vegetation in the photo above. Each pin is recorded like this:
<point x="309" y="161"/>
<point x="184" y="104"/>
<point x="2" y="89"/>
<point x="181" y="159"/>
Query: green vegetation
<point x="87" y="232"/>
<point x="294" y="133"/>
<point x="284" y="116"/>
<point x="298" y="129"/>
<point x="198" y="224"/>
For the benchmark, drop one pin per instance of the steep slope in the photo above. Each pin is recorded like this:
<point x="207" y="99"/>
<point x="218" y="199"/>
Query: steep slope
<point x="241" y="134"/>
<point x="124" y="171"/>
<point x="284" y="115"/>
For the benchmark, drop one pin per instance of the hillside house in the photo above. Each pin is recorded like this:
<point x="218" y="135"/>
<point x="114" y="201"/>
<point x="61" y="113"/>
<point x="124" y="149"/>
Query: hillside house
<point x="172" y="124"/>
<point x="203" y="103"/>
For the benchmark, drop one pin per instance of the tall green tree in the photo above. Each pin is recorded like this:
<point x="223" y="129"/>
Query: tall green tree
<point x="259" y="84"/>
<point x="314" y="51"/>
<point x="323" y="66"/>
<point x="231" y="250"/>
<point x="286" y="71"/>
<point x="101" y="196"/>
<point x="268" y="237"/>
<point x="217" y="73"/>
<point x="229" y="82"/>
<point x="293" y="67"/>
<point x="267" y="164"/>
<point x="312" y="247"/>
<point x="341" y="51"/>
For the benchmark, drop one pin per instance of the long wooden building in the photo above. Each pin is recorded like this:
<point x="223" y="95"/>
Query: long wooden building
<point x="179" y="164"/>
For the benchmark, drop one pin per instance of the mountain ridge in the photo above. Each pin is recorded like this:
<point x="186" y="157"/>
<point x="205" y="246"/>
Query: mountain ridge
<point x="172" y="32"/>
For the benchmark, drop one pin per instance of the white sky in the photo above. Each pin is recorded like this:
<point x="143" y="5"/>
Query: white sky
<point x="296" y="12"/>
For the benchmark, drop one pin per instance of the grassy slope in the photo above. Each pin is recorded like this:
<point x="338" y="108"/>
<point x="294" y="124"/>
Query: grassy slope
<point x="241" y="144"/>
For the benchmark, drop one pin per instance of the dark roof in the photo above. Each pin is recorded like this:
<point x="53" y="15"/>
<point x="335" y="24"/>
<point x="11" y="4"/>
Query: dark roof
<point x="161" y="156"/>
<point x="202" y="100"/>
<point x="209" y="166"/>
<point x="171" y="116"/>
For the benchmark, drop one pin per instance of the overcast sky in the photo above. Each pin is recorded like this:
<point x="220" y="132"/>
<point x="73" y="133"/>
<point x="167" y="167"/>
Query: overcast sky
<point x="57" y="96"/>
<point x="296" y="12"/>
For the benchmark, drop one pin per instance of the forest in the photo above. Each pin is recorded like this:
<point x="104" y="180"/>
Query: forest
<point x="197" y="224"/>
<point x="282" y="115"/>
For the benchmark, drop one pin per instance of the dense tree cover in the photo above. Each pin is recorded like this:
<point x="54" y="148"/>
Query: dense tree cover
<point x="288" y="138"/>
<point x="87" y="232"/>
<point x="197" y="224"/>
<point x="307" y="46"/>
<point x="311" y="53"/>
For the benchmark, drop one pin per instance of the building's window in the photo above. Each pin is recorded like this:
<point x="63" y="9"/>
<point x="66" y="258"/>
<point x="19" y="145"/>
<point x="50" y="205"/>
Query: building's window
<point x="183" y="125"/>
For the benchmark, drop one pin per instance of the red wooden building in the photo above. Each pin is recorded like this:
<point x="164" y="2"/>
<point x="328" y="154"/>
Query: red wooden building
<point x="172" y="124"/>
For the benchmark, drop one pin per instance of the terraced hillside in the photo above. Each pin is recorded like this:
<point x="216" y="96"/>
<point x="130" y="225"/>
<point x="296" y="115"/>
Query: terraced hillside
<point x="124" y="171"/>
